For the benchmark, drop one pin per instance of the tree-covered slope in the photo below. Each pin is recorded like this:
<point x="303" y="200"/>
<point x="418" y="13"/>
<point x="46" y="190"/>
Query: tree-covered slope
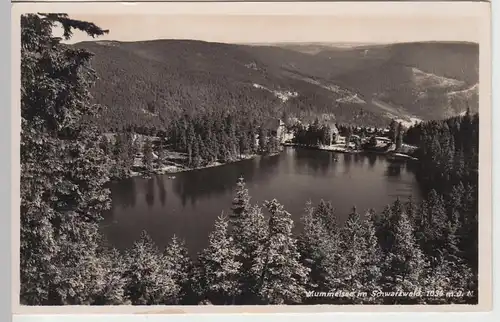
<point x="151" y="82"/>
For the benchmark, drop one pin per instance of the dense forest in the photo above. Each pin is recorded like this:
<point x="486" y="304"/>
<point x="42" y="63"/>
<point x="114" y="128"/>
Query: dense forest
<point x="201" y="141"/>
<point x="252" y="256"/>
<point x="149" y="84"/>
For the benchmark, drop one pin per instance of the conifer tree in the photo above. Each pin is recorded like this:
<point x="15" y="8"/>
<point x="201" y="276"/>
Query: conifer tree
<point x="219" y="267"/>
<point x="211" y="144"/>
<point x="326" y="135"/>
<point x="326" y="213"/>
<point x="399" y="137"/>
<point x="319" y="249"/>
<point x="130" y="152"/>
<point x="371" y="272"/>
<point x="204" y="153"/>
<point x="105" y="145"/>
<point x="149" y="279"/>
<point x="353" y="251"/>
<point x="148" y="155"/>
<point x="393" y="130"/>
<point x="63" y="169"/>
<point x="250" y="240"/>
<point x="113" y="283"/>
<point x="161" y="155"/>
<point x="196" y="159"/>
<point x="119" y="153"/>
<point x="405" y="262"/>
<point x="249" y="231"/>
<point x="283" y="277"/>
<point x="178" y="262"/>
<point x="263" y="140"/>
<point x="241" y="200"/>
<point x="243" y="144"/>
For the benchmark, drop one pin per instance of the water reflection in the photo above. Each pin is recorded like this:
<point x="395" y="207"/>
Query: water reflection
<point x="161" y="189"/>
<point x="394" y="170"/>
<point x="317" y="162"/>
<point x="295" y="176"/>
<point x="372" y="159"/>
<point x="150" y="192"/>
<point x="194" y="186"/>
<point x="347" y="161"/>
<point x="124" y="193"/>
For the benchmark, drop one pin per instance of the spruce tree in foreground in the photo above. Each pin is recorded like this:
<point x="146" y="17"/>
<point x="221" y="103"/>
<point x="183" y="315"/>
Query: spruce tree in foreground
<point x="150" y="279"/>
<point x="63" y="168"/>
<point x="249" y="232"/>
<point x="283" y="277"/>
<point x="326" y="213"/>
<point x="405" y="262"/>
<point x="113" y="282"/>
<point x="371" y="272"/>
<point x="218" y="267"/>
<point x="353" y="253"/>
<point x="178" y="262"/>
<point x="241" y="201"/>
<point x="319" y="249"/>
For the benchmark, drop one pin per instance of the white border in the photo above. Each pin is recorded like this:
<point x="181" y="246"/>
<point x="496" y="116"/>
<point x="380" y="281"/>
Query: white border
<point x="399" y="9"/>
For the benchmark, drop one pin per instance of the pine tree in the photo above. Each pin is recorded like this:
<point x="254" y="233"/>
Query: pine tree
<point x="150" y="279"/>
<point x="129" y="153"/>
<point x="393" y="130"/>
<point x="371" y="272"/>
<point x="383" y="224"/>
<point x="263" y="140"/>
<point x="326" y="135"/>
<point x="243" y="144"/>
<point x="63" y="169"/>
<point x="241" y="200"/>
<point x="219" y="267"/>
<point x="399" y="137"/>
<point x="326" y="213"/>
<point x="224" y="148"/>
<point x="283" y="277"/>
<point x="212" y="145"/>
<point x="178" y="262"/>
<point x="105" y="145"/>
<point x="161" y="155"/>
<point x="405" y="262"/>
<point x="252" y="140"/>
<point x="250" y="239"/>
<point x="232" y="139"/>
<point x="113" y="284"/>
<point x="147" y="151"/>
<point x="353" y="249"/>
<point x="319" y="249"/>
<point x="348" y="137"/>
<point x="436" y="223"/>
<point x="120" y="156"/>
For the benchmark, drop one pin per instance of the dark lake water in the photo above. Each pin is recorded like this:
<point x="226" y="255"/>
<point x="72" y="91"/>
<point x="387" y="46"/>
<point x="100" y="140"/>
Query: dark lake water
<point x="188" y="205"/>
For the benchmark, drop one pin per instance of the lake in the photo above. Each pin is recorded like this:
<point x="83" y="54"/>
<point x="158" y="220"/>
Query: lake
<point x="188" y="205"/>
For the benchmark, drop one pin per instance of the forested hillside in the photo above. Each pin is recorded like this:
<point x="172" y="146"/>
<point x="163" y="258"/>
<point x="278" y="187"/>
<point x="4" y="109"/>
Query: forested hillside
<point x="150" y="83"/>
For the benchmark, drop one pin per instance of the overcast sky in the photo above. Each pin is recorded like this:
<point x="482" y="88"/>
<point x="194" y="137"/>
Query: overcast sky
<point x="271" y="29"/>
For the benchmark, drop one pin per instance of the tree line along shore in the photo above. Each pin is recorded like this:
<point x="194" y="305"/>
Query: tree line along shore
<point x="191" y="146"/>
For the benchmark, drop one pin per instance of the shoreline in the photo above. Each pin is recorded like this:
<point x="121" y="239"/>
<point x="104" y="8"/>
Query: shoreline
<point x="391" y="155"/>
<point x="173" y="169"/>
<point x="177" y="168"/>
<point x="323" y="148"/>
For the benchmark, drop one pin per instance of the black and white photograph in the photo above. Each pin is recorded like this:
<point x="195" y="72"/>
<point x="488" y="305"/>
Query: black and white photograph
<point x="230" y="160"/>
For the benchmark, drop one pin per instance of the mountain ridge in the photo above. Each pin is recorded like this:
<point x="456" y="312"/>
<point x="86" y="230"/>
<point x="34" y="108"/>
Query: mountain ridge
<point x="421" y="80"/>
